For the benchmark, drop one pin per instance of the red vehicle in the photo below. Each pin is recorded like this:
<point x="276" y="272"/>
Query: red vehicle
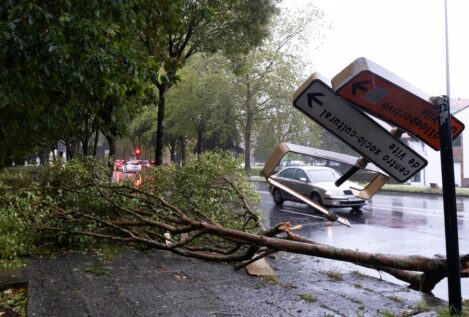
<point x="119" y="165"/>
<point x="145" y="164"/>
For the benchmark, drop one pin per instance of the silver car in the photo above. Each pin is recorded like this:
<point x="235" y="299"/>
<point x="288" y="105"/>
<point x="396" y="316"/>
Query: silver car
<point x="132" y="167"/>
<point x="316" y="183"/>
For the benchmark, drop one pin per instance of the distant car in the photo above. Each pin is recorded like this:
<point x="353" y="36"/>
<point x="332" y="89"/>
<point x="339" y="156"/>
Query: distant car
<point x="119" y="164"/>
<point x="316" y="183"/>
<point x="132" y="167"/>
<point x="296" y="163"/>
<point x="145" y="164"/>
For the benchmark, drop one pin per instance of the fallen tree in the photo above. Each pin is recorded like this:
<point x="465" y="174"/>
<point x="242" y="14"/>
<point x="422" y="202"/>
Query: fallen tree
<point x="202" y="210"/>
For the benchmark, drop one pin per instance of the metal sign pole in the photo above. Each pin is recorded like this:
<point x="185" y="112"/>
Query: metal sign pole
<point x="449" y="201"/>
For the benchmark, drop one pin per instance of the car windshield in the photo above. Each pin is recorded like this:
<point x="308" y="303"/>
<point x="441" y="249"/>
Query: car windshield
<point x="323" y="175"/>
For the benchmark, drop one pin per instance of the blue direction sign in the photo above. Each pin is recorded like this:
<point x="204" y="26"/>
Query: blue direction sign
<point x="316" y="99"/>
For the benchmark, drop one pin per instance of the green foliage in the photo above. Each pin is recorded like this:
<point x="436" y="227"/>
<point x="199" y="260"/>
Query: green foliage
<point x="205" y="89"/>
<point x="16" y="210"/>
<point x="445" y="312"/>
<point x="335" y="276"/>
<point x="14" y="298"/>
<point x="204" y="189"/>
<point x="62" y="63"/>
<point x="307" y="297"/>
<point x="69" y="205"/>
<point x="170" y="32"/>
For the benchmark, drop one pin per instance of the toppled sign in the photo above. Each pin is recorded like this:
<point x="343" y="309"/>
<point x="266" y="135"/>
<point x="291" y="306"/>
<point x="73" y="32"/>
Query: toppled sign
<point x="285" y="148"/>
<point x="317" y="100"/>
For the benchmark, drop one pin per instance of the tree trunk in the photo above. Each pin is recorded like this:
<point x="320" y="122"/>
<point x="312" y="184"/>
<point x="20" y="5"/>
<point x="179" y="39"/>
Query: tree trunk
<point x="111" y="140"/>
<point x="53" y="151"/>
<point x="248" y="127"/>
<point x="149" y="227"/>
<point x="401" y="267"/>
<point x="200" y="138"/>
<point x="86" y="138"/>
<point x="182" y="148"/>
<point x="172" y="149"/>
<point x="247" y="144"/>
<point x="96" y="140"/>
<point x="162" y="90"/>
<point x="70" y="150"/>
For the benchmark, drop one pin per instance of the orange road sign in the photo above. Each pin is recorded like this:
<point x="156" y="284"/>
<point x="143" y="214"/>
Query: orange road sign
<point x="388" y="97"/>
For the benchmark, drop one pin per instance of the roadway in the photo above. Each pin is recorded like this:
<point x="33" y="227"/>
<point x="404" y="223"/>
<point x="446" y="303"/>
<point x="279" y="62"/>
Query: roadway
<point x="401" y="224"/>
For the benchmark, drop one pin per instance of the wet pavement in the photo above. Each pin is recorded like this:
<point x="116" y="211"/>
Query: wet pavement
<point x="158" y="283"/>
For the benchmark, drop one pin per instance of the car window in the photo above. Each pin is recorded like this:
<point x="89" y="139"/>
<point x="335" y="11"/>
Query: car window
<point x="300" y="174"/>
<point x="323" y="175"/>
<point x="288" y="173"/>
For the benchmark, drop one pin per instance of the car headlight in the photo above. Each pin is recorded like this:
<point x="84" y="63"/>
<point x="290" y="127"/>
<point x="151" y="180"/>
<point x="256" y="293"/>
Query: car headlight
<point x="334" y="193"/>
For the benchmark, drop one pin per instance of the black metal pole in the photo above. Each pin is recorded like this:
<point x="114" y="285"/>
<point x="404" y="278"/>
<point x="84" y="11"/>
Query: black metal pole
<point x="449" y="202"/>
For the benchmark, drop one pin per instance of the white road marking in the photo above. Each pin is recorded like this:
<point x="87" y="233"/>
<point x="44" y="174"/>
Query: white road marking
<point x="300" y="213"/>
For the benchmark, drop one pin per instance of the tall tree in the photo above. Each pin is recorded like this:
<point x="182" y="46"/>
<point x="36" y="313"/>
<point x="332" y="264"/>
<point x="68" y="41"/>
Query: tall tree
<point x="202" y="106"/>
<point x="172" y="31"/>
<point x="269" y="74"/>
<point x="62" y="60"/>
<point x="287" y="125"/>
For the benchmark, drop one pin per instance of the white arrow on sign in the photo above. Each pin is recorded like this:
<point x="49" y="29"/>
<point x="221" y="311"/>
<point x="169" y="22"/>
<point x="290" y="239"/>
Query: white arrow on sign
<point x="317" y="100"/>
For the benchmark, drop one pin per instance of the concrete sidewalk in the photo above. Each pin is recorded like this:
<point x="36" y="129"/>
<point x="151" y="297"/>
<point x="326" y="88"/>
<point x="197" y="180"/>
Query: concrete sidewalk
<point x="157" y="283"/>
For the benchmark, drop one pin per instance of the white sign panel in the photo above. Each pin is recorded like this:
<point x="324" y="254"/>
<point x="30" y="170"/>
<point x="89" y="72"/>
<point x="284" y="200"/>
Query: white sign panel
<point x="317" y="100"/>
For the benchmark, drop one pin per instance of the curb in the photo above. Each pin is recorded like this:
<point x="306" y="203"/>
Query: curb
<point x="13" y="277"/>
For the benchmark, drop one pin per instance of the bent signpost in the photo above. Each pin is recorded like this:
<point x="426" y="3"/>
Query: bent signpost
<point x="317" y="100"/>
<point x="449" y="203"/>
<point x="386" y="96"/>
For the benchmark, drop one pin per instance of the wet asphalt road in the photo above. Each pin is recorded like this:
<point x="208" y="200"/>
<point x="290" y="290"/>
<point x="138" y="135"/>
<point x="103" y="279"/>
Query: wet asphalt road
<point x="401" y="224"/>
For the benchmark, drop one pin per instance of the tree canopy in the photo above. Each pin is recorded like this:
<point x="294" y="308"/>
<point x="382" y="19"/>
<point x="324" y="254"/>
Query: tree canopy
<point x="70" y="68"/>
<point x="62" y="62"/>
<point x="172" y="31"/>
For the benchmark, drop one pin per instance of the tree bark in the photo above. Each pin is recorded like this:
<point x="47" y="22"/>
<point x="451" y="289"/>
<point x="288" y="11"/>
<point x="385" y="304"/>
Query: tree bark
<point x="182" y="148"/>
<point x="172" y="149"/>
<point x="111" y="140"/>
<point x="248" y="129"/>
<point x="96" y="140"/>
<point x="162" y="225"/>
<point x="159" y="143"/>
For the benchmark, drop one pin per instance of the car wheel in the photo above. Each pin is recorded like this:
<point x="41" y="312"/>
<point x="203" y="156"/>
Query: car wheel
<point x="316" y="198"/>
<point x="277" y="196"/>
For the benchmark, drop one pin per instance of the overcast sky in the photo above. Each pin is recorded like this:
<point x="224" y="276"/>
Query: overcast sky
<point x="406" y="37"/>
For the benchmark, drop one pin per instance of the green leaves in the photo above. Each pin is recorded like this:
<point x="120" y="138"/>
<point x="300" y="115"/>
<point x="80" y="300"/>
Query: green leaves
<point x="15" y="221"/>
<point x="69" y="204"/>
<point x="71" y="57"/>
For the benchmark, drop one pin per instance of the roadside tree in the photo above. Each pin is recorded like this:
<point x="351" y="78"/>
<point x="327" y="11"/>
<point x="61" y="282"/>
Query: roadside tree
<point x="63" y="62"/>
<point x="267" y="77"/>
<point x="171" y="32"/>
<point x="202" y="107"/>
<point x="201" y="210"/>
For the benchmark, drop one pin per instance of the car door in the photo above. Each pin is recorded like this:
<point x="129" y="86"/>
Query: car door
<point x="300" y="183"/>
<point x="287" y="178"/>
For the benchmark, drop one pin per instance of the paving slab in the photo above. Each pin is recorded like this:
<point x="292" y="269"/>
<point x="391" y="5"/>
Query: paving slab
<point x="158" y="283"/>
